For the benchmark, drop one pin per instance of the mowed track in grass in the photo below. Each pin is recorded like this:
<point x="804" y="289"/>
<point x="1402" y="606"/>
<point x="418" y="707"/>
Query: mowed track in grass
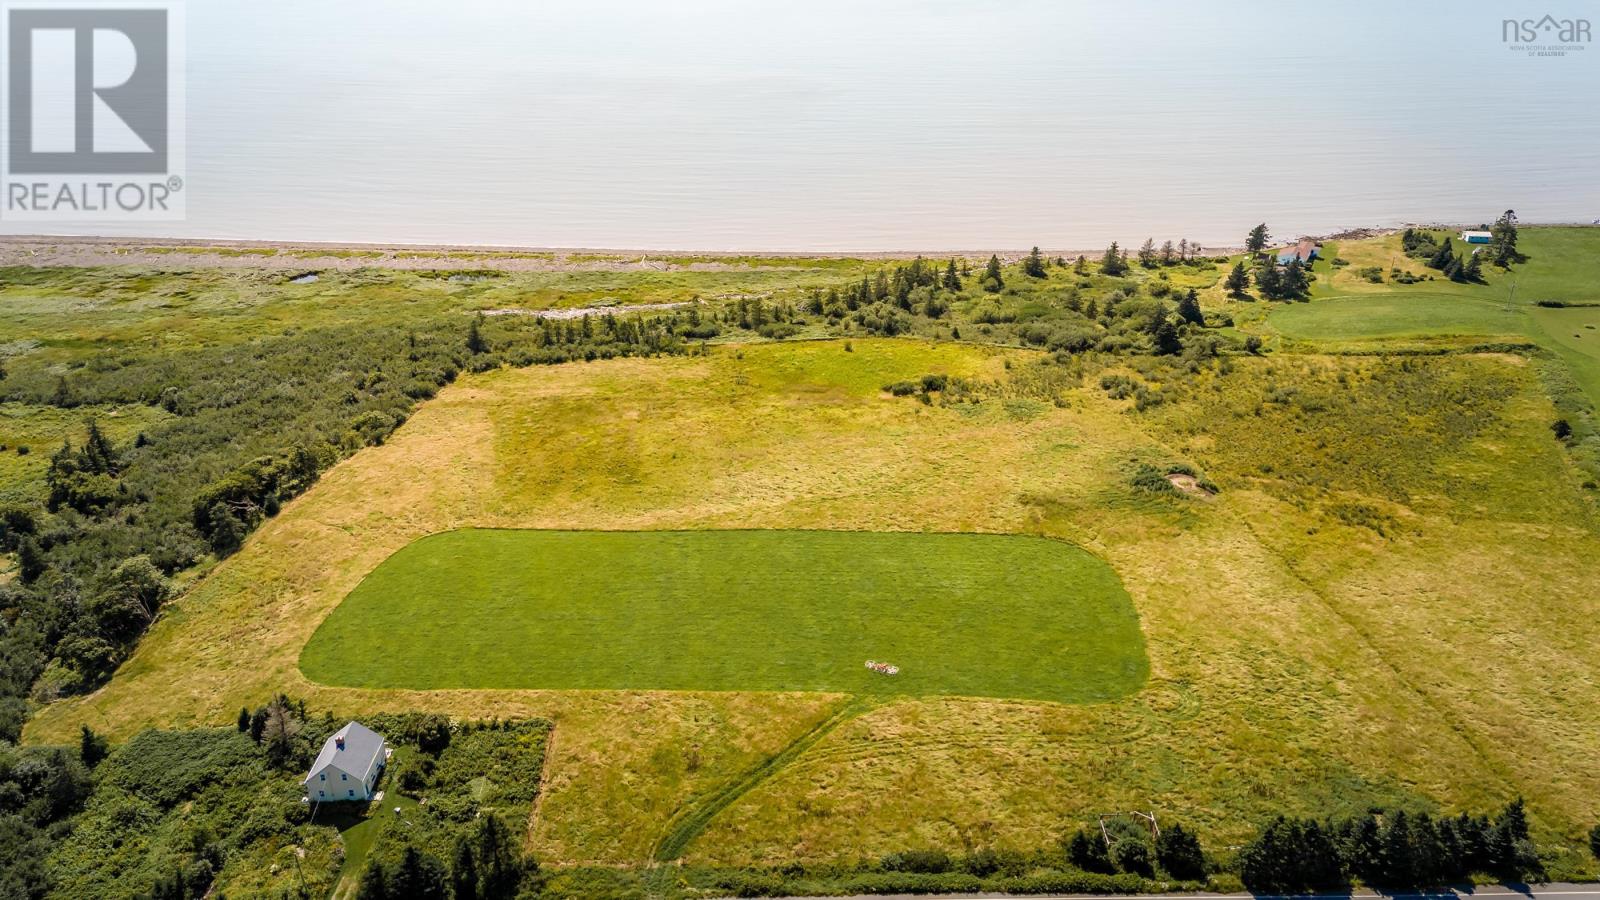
<point x="961" y="614"/>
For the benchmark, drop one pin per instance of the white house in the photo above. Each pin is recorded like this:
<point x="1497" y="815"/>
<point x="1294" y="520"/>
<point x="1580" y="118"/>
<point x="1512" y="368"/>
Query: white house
<point x="1477" y="237"/>
<point x="348" y="765"/>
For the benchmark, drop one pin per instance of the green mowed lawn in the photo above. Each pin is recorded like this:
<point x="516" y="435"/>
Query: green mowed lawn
<point x="1401" y="314"/>
<point x="960" y="614"/>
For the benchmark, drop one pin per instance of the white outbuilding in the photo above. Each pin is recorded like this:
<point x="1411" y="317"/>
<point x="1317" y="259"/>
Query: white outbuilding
<point x="348" y="765"/>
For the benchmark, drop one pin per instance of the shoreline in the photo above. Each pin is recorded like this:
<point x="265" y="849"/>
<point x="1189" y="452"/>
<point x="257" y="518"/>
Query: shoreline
<point x="71" y="251"/>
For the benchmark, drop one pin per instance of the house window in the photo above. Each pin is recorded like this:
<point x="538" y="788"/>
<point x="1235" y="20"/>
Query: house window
<point x="343" y="777"/>
<point x="323" y="777"/>
<point x="322" y="793"/>
<point x="352" y="793"/>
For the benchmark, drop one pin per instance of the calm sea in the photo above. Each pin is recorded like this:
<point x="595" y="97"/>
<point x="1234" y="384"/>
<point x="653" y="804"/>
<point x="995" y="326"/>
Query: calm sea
<point x="872" y="124"/>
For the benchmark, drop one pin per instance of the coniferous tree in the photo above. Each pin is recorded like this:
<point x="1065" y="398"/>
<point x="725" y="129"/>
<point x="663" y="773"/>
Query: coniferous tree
<point x="91" y="747"/>
<point x="464" y="872"/>
<point x="1088" y="852"/>
<point x="1147" y="253"/>
<point x="31" y="562"/>
<point x="1166" y="339"/>
<point x="1080" y="266"/>
<point x="418" y="876"/>
<point x="1189" y="308"/>
<point x="1503" y="239"/>
<point x="1033" y="264"/>
<point x="1113" y="263"/>
<point x="1168" y="255"/>
<point x="1179" y="855"/>
<point x="952" y="280"/>
<point x="1443" y="256"/>
<point x="244" y="719"/>
<point x="1269" y="281"/>
<point x="1454" y="270"/>
<point x="1473" y="270"/>
<point x="1238" y="280"/>
<point x="1257" y="239"/>
<point x="476" y="344"/>
<point x="993" y="281"/>
<point x="1294" y="282"/>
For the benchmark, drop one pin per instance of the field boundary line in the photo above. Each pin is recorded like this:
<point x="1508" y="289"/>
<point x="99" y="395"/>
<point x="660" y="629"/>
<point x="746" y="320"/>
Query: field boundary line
<point x="544" y="785"/>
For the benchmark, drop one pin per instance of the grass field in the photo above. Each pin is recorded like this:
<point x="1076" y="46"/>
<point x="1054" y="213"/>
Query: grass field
<point x="1301" y="658"/>
<point x="1391" y="601"/>
<point x="960" y="614"/>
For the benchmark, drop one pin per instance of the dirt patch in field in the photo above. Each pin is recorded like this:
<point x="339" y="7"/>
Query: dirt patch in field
<point x="1190" y="485"/>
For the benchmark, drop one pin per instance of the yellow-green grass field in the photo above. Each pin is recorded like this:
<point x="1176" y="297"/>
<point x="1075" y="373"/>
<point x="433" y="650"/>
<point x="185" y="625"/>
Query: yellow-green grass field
<point x="959" y="614"/>
<point x="1391" y="600"/>
<point x="1561" y="266"/>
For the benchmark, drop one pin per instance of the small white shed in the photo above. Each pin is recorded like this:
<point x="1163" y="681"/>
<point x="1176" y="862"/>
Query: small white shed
<point x="348" y="766"/>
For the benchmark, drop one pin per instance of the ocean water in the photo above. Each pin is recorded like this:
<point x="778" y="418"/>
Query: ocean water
<point x="879" y="125"/>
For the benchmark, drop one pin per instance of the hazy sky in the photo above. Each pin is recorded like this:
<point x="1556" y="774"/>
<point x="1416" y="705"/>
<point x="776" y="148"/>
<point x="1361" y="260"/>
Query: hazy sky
<point x="870" y="125"/>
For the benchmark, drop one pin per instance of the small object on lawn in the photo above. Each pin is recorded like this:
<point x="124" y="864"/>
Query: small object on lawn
<point x="397" y="810"/>
<point x="883" y="668"/>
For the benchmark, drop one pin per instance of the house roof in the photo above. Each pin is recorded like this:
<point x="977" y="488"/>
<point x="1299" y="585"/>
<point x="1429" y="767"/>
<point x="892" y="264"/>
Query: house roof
<point x="1473" y="234"/>
<point x="1302" y="251"/>
<point x="361" y="750"/>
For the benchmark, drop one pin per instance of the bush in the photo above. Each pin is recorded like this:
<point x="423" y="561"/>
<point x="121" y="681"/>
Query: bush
<point x="924" y="862"/>
<point x="1179" y="855"/>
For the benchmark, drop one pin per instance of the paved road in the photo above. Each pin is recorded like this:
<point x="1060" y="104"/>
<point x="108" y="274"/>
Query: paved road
<point x="1516" y="892"/>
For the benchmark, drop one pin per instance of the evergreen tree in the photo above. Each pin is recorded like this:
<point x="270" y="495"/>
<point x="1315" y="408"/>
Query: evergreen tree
<point x="499" y="863"/>
<point x="1033" y="264"/>
<point x="476" y="343"/>
<point x="1594" y="841"/>
<point x="1257" y="239"/>
<point x="1168" y="255"/>
<point x="30" y="560"/>
<point x="1443" y="256"/>
<point x="1147" y="254"/>
<point x="1166" y="339"/>
<point x="1179" y="855"/>
<point x="1088" y="852"/>
<point x="1503" y="239"/>
<point x="1269" y="281"/>
<point x="952" y="280"/>
<point x="244" y="719"/>
<point x="1473" y="270"/>
<point x="1080" y="266"/>
<point x="1113" y="263"/>
<point x="993" y="282"/>
<point x="1238" y="280"/>
<point x="91" y="747"/>
<point x="1454" y="270"/>
<point x="1189" y="308"/>
<point x="374" y="884"/>
<point x="418" y="876"/>
<point x="98" y="456"/>
<point x="464" y="872"/>
<point x="1294" y="282"/>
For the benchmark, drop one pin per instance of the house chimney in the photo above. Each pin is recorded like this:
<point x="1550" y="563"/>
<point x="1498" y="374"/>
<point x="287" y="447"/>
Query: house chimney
<point x="339" y="742"/>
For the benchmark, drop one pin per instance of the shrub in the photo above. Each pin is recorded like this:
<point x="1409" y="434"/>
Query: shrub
<point x="1179" y="855"/>
<point x="924" y="862"/>
<point x="1088" y="852"/>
